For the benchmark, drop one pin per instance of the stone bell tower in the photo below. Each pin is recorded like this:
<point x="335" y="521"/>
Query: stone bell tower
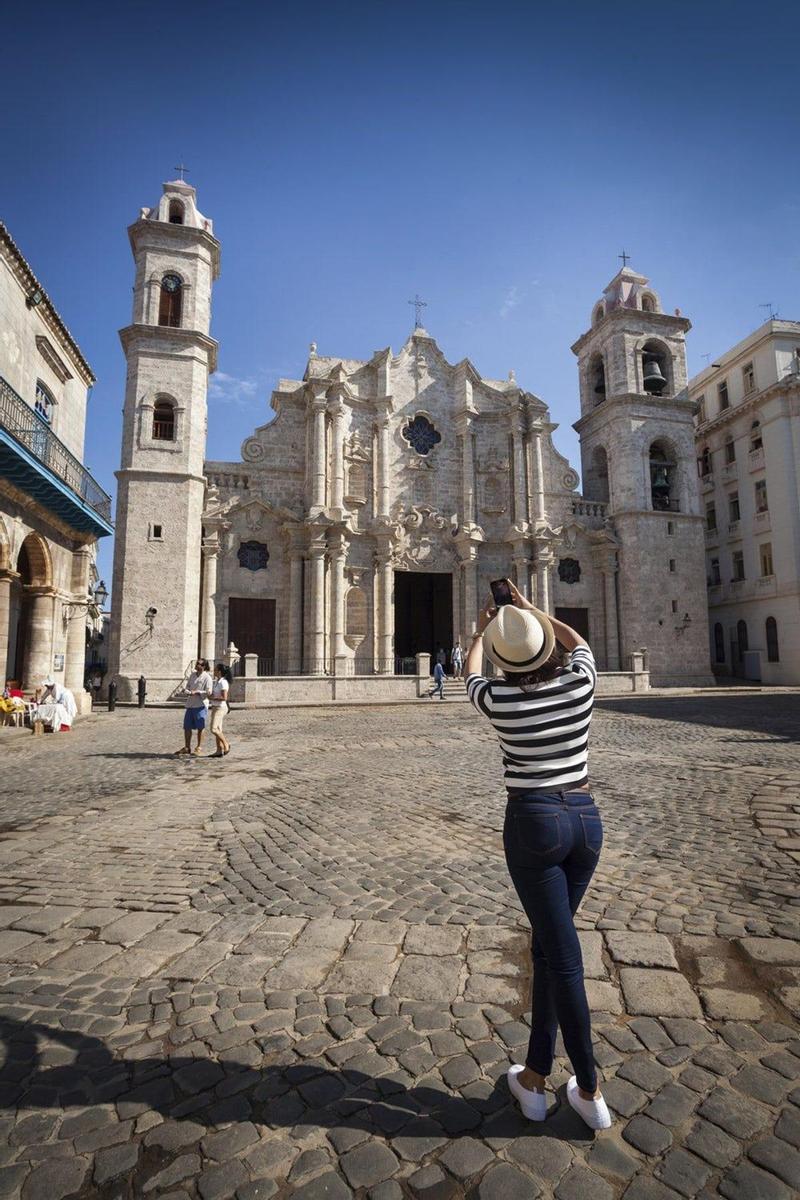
<point x="637" y="454"/>
<point x="157" y="552"/>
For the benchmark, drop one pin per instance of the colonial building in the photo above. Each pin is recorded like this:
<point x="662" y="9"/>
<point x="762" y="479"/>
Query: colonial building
<point x="748" y="456"/>
<point x="364" y="522"/>
<point x="51" y="509"/>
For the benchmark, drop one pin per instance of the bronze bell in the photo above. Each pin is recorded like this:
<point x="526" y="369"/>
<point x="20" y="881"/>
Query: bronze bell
<point x="600" y="385"/>
<point x="660" y="484"/>
<point x="654" y="381"/>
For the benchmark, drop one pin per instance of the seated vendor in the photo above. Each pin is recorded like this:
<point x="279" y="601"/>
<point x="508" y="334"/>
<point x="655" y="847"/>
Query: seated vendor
<point x="12" y="699"/>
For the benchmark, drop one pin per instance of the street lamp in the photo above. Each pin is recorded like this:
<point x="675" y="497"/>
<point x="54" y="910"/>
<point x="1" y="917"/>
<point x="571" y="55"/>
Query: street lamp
<point x="150" y="618"/>
<point x="101" y="594"/>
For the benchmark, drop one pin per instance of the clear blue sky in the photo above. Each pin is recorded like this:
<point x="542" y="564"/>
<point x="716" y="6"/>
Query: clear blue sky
<point x="497" y="157"/>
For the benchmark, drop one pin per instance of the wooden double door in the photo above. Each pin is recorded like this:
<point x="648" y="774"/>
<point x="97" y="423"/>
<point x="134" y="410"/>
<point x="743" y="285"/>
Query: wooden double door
<point x="251" y="626"/>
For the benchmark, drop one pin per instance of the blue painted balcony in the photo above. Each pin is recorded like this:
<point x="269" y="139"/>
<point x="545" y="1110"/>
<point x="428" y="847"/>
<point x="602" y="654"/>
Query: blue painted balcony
<point x="40" y="465"/>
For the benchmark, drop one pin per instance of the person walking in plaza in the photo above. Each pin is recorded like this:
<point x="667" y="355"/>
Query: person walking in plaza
<point x="197" y="691"/>
<point x="457" y="659"/>
<point x="219" y="708"/>
<point x="438" y="682"/>
<point x="553" y="832"/>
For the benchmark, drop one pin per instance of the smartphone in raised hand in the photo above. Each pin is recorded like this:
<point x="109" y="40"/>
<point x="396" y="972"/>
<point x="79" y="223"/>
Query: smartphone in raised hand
<point x="501" y="592"/>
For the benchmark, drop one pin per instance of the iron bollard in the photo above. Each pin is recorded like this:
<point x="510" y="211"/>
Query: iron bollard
<point x="112" y="696"/>
<point x="141" y="690"/>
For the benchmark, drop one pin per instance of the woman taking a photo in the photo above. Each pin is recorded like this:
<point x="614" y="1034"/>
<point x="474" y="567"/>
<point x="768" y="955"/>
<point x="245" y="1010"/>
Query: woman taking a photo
<point x="552" y="836"/>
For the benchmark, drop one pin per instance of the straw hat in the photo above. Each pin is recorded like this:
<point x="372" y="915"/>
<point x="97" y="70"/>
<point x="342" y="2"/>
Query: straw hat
<point x="518" y="639"/>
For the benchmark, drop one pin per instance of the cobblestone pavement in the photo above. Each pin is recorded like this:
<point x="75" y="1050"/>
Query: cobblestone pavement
<point x="301" y="971"/>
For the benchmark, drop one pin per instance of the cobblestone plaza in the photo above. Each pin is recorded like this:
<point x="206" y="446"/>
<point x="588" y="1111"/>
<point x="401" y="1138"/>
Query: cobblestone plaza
<point x="302" y="971"/>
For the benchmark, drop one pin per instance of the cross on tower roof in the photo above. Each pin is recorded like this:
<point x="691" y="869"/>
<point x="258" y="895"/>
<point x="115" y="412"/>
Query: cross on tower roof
<point x="625" y="258"/>
<point x="182" y="170"/>
<point x="418" y="306"/>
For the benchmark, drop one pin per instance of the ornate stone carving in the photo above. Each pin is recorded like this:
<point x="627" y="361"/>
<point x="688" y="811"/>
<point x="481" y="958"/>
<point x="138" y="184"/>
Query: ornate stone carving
<point x="570" y="479"/>
<point x="419" y="536"/>
<point x="569" y="570"/>
<point x="252" y="450"/>
<point x="492" y="461"/>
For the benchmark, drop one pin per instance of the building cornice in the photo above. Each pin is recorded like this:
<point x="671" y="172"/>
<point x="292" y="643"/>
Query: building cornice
<point x="29" y="283"/>
<point x="754" y="401"/>
<point x="129" y="333"/>
<point x="657" y="322"/>
<point x="744" y="349"/>
<point x="626" y="400"/>
<point x="189" y="235"/>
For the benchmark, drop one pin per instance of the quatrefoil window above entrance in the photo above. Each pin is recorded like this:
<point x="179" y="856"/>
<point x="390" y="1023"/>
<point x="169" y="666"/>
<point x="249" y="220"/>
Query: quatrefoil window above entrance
<point x="253" y="555"/>
<point x="421" y="435"/>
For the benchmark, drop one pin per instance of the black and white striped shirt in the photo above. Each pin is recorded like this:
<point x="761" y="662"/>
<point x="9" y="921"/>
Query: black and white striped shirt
<point x="544" y="731"/>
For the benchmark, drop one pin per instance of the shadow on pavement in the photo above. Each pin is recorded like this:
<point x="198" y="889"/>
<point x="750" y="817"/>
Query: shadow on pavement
<point x="779" y="716"/>
<point x="217" y="1092"/>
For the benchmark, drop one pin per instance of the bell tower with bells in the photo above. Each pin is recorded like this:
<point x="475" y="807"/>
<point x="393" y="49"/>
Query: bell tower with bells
<point x="638" y="457"/>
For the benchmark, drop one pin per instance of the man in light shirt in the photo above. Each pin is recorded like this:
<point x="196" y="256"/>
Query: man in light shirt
<point x="197" y="691"/>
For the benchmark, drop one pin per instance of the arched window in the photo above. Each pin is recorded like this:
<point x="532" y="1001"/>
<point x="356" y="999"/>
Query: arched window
<point x="597" y="378"/>
<point x="662" y="479"/>
<point x="170" y="302"/>
<point x="773" y="654"/>
<point x="741" y="637"/>
<point x="599" y="313"/>
<point x="719" y="644"/>
<point x="175" y="212"/>
<point x="596" y="481"/>
<point x="655" y="368"/>
<point x="44" y="402"/>
<point x="356" y="482"/>
<point x="648" y="302"/>
<point x="164" y="421"/>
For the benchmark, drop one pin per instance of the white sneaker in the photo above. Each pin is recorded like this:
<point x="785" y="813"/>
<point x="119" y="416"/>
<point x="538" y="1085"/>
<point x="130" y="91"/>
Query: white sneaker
<point x="533" y="1104"/>
<point x="594" y="1112"/>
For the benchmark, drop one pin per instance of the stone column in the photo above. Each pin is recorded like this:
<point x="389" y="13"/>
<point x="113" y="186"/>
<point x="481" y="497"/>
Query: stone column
<point x="470" y="568"/>
<point x="337" y="455"/>
<point x="317" y="638"/>
<point x="75" y="649"/>
<point x="295" y="650"/>
<point x="520" y="503"/>
<point x="544" y="561"/>
<point x="39" y="650"/>
<point x="338" y="553"/>
<point x="464" y="430"/>
<point x="538" y="477"/>
<point x="385" y="615"/>
<point x="522" y="574"/>
<point x="5" y="616"/>
<point x="318" y="455"/>
<point x="607" y="562"/>
<point x="208" y="603"/>
<point x="383" y="462"/>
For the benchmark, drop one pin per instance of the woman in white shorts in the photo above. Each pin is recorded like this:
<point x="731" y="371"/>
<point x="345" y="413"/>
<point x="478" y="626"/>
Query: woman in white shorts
<point x="219" y="707"/>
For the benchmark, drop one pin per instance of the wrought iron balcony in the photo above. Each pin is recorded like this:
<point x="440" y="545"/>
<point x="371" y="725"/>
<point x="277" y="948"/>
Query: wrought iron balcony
<point x="27" y="429"/>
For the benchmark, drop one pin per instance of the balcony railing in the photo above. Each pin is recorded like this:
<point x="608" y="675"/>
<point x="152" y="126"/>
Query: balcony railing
<point x="20" y="420"/>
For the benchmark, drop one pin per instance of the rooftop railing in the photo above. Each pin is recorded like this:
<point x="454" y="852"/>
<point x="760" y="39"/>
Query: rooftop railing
<point x="28" y="428"/>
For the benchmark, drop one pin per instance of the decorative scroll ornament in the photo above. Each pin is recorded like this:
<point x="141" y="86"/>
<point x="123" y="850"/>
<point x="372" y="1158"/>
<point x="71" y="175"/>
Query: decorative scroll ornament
<point x="421" y="434"/>
<point x="570" y="479"/>
<point x="254" y="556"/>
<point x="252" y="450"/>
<point x="417" y="537"/>
<point x="569" y="570"/>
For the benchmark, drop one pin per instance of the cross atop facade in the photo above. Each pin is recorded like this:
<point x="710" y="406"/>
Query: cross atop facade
<point x="419" y="304"/>
<point x="625" y="258"/>
<point x="182" y="171"/>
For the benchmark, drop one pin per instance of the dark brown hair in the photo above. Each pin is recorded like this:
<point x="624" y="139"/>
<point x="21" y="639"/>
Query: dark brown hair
<point x="543" y="674"/>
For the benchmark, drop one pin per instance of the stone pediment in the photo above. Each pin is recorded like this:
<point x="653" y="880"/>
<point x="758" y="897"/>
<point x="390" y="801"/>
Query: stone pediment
<point x="254" y="511"/>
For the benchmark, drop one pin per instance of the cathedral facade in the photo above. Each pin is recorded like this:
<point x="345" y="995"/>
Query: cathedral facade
<point x="364" y="522"/>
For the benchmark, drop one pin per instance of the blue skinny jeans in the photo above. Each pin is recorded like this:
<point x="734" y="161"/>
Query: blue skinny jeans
<point x="552" y="844"/>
